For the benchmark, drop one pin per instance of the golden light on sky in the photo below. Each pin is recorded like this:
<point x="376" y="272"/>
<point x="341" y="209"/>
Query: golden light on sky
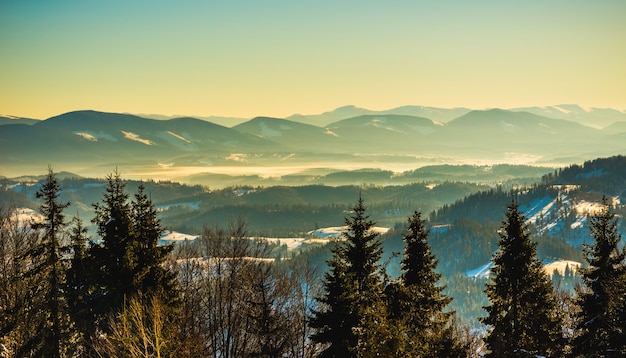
<point x="277" y="58"/>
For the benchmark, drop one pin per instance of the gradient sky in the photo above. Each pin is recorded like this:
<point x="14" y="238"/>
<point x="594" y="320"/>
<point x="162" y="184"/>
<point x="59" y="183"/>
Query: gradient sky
<point x="246" y="58"/>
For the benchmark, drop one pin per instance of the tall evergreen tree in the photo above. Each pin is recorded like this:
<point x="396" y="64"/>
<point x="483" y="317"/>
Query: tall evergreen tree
<point x="416" y="303"/>
<point x="47" y="262"/>
<point x="113" y="257"/>
<point x="522" y="312"/>
<point x="129" y="259"/>
<point x="600" y="325"/>
<point x="353" y="285"/>
<point x="151" y="277"/>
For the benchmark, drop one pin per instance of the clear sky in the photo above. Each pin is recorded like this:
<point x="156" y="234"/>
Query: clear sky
<point x="246" y="58"/>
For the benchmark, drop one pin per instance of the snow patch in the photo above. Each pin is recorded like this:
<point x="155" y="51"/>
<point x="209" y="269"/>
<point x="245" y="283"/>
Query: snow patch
<point x="178" y="136"/>
<point x="440" y="228"/>
<point x="94" y="137"/>
<point x="481" y="272"/>
<point x="336" y="232"/>
<point x="137" y="138"/>
<point x="26" y="216"/>
<point x="586" y="207"/>
<point x="562" y="110"/>
<point x="87" y="136"/>
<point x="172" y="236"/>
<point x="537" y="209"/>
<point x="549" y="266"/>
<point x="329" y="132"/>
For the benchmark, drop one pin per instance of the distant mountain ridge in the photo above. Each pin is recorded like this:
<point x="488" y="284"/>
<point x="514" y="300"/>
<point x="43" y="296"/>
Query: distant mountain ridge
<point x="90" y="138"/>
<point x="4" y="119"/>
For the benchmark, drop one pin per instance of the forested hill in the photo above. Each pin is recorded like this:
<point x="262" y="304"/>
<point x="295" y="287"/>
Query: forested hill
<point x="557" y="210"/>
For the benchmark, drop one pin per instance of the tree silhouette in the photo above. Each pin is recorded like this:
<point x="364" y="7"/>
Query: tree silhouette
<point x="600" y="325"/>
<point x="47" y="262"/>
<point x="522" y="308"/>
<point x="416" y="303"/>
<point x="353" y="285"/>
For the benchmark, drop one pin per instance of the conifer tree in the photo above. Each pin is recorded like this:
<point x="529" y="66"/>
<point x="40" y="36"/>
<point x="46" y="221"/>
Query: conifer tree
<point x="47" y="263"/>
<point x="114" y="257"/>
<point x="151" y="277"/>
<point x="522" y="313"/>
<point x="129" y="259"/>
<point x="600" y="325"/>
<point x="416" y="303"/>
<point x="353" y="285"/>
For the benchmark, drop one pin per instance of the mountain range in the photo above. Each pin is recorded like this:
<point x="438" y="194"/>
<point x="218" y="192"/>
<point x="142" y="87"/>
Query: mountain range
<point x="407" y="136"/>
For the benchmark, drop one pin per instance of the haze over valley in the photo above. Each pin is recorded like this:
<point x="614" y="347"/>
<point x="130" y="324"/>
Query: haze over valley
<point x="91" y="143"/>
<point x="312" y="179"/>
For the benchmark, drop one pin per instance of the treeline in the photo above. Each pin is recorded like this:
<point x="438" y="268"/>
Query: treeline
<point x="122" y="295"/>
<point x="279" y="211"/>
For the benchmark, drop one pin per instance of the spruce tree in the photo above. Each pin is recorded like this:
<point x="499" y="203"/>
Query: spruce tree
<point x="113" y="257"/>
<point x="600" y="325"/>
<point x="47" y="263"/>
<point x="416" y="303"/>
<point x="353" y="285"/>
<point x="151" y="277"/>
<point x="522" y="316"/>
<point x="128" y="259"/>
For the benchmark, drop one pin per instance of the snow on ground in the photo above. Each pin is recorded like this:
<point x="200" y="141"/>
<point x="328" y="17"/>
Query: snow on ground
<point x="137" y="138"/>
<point x="335" y="232"/>
<point x="537" y="209"/>
<point x="214" y="261"/>
<point x="549" y="266"/>
<point x="178" y="136"/>
<point x="586" y="207"/>
<point x="320" y="236"/>
<point x="440" y="228"/>
<point x="327" y="232"/>
<point x="480" y="272"/>
<point x="559" y="265"/>
<point x="26" y="216"/>
<point x="87" y="136"/>
<point x="173" y="236"/>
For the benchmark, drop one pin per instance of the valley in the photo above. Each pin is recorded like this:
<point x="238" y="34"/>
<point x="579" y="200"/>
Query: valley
<point x="191" y="150"/>
<point x="464" y="205"/>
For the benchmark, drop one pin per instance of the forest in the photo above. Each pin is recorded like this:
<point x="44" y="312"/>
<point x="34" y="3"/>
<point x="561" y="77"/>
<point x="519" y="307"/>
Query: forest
<point x="69" y="293"/>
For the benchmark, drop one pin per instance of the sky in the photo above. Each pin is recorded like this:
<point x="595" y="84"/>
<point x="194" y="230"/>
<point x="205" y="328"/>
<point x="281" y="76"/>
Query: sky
<point x="247" y="58"/>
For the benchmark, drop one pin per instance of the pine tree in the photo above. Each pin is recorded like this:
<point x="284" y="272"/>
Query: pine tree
<point x="129" y="260"/>
<point x="353" y="285"/>
<point x="600" y="325"/>
<point x="113" y="258"/>
<point x="151" y="277"/>
<point x="47" y="262"/>
<point x="522" y="312"/>
<point x="416" y="303"/>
